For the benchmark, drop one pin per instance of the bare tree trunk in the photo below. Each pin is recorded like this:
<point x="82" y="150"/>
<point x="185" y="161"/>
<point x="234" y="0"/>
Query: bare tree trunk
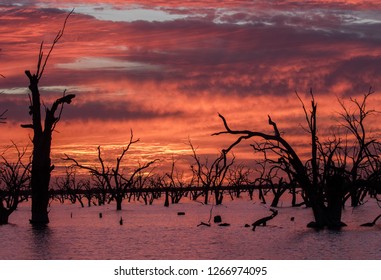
<point x="41" y="163"/>
<point x="206" y="193"/>
<point x="42" y="138"/>
<point x="4" y="215"/>
<point x="334" y="199"/>
<point x="41" y="169"/>
<point x="166" y="203"/>
<point x="119" y="200"/>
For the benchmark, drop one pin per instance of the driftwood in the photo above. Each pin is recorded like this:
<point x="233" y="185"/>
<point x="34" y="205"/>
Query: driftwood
<point x="372" y="223"/>
<point x="210" y="217"/>
<point x="263" y="221"/>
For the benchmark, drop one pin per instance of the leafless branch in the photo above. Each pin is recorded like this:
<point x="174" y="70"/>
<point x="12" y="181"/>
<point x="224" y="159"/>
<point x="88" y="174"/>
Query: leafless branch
<point x="60" y="33"/>
<point x="2" y="116"/>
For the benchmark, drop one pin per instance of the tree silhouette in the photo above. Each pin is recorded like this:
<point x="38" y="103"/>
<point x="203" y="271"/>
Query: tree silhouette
<point x="211" y="176"/>
<point x="72" y="188"/>
<point x="360" y="158"/>
<point x="324" y="177"/>
<point x="14" y="180"/>
<point x="112" y="178"/>
<point x="175" y="183"/>
<point x="42" y="138"/>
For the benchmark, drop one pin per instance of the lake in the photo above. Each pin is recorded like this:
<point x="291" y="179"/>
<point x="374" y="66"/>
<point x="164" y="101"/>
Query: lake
<point x="152" y="232"/>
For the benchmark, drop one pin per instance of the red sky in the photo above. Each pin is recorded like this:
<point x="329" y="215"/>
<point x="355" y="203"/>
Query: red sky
<point x="166" y="68"/>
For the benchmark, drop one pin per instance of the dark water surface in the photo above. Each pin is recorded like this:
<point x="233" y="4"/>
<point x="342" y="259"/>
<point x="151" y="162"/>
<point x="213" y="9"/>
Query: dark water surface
<point x="157" y="232"/>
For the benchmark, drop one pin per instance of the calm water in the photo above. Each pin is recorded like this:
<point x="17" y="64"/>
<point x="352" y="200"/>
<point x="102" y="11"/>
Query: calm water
<point x="157" y="232"/>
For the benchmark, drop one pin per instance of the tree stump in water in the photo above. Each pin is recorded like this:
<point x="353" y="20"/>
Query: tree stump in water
<point x="217" y="219"/>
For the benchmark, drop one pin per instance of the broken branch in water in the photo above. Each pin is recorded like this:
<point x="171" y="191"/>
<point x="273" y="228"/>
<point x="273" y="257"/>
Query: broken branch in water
<point x="372" y="223"/>
<point x="204" y="224"/>
<point x="262" y="221"/>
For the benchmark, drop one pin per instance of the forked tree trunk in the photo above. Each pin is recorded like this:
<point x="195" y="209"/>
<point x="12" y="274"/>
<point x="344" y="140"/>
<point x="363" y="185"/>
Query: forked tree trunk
<point x="42" y="139"/>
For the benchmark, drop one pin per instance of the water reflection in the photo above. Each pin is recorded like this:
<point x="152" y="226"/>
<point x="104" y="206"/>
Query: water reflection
<point x="41" y="245"/>
<point x="157" y="232"/>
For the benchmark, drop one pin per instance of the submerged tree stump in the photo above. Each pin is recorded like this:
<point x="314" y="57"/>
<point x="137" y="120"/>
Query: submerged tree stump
<point x="217" y="219"/>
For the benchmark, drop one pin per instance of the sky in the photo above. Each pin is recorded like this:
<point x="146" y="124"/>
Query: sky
<point x="165" y="69"/>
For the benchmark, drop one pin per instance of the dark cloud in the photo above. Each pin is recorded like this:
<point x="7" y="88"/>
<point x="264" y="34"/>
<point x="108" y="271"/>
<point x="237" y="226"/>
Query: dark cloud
<point x="240" y="51"/>
<point x="124" y="111"/>
<point x="17" y="110"/>
<point x="287" y="50"/>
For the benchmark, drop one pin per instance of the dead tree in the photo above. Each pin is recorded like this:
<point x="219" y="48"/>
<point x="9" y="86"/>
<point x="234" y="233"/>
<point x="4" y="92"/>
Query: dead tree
<point x="270" y="173"/>
<point x="174" y="183"/>
<point x="260" y="181"/>
<point x="239" y="178"/>
<point x="305" y="177"/>
<point x="87" y="191"/>
<point x="116" y="183"/>
<point x="147" y="185"/>
<point x="361" y="156"/>
<point x="73" y="189"/>
<point x="14" y="180"/>
<point x="211" y="176"/>
<point x="42" y="135"/>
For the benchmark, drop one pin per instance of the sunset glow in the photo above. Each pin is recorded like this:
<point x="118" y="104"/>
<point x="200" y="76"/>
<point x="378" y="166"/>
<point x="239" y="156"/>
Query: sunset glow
<point x="165" y="69"/>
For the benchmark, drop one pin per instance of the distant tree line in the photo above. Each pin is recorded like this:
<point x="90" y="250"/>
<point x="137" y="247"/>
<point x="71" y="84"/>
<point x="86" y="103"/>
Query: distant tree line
<point x="124" y="182"/>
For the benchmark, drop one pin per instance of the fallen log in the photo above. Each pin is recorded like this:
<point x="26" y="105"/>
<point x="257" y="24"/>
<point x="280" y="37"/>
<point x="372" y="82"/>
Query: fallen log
<point x="372" y="223"/>
<point x="263" y="221"/>
<point x="204" y="224"/>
